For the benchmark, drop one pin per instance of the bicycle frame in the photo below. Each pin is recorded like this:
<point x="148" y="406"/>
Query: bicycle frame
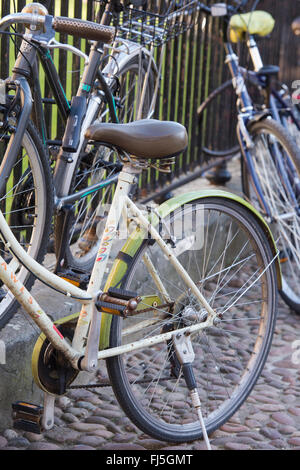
<point x="89" y="320"/>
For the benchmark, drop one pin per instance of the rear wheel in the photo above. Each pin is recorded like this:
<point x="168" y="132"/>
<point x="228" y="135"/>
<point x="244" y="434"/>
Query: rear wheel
<point x="217" y="137"/>
<point x="226" y="253"/>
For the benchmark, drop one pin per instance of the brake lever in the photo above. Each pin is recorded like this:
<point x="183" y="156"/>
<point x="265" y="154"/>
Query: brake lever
<point x="53" y="44"/>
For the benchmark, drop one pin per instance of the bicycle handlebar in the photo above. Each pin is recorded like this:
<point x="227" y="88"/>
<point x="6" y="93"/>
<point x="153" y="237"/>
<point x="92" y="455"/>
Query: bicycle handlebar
<point x="21" y="18"/>
<point x="73" y="26"/>
<point x="84" y="29"/>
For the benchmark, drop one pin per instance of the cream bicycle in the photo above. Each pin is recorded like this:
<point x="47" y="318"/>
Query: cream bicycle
<point x="185" y="316"/>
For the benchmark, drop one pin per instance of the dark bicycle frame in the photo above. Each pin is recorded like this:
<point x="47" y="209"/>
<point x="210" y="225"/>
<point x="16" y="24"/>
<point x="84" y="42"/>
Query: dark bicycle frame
<point x="25" y="69"/>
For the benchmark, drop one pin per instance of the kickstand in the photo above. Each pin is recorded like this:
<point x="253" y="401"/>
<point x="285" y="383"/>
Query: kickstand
<point x="186" y="356"/>
<point x="197" y="405"/>
<point x="48" y="414"/>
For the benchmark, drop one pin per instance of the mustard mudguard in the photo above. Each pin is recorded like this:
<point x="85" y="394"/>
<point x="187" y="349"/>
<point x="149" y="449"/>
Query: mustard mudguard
<point x="135" y="240"/>
<point x="256" y="22"/>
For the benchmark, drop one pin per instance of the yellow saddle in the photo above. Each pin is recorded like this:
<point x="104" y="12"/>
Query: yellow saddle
<point x="256" y="22"/>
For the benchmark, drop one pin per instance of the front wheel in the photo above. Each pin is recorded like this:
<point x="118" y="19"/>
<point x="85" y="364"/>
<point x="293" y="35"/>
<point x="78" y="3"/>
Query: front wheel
<point x="276" y="163"/>
<point x="26" y="202"/>
<point x="224" y="250"/>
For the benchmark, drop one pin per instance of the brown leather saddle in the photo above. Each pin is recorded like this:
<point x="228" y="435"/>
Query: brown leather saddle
<point x="147" y="138"/>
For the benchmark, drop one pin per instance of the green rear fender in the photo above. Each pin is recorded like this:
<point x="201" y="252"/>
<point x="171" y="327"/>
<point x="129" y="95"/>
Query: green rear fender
<point x="135" y="240"/>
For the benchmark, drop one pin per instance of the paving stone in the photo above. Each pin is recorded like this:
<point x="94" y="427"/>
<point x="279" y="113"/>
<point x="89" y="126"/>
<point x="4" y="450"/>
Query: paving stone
<point x="3" y="442"/>
<point x="200" y="445"/>
<point x="43" y="446"/>
<point x="126" y="437"/>
<point x="265" y="446"/>
<point x="283" y="418"/>
<point x="93" y="441"/>
<point x="287" y="429"/>
<point x="294" y="441"/>
<point x="279" y="443"/>
<point x="86" y="427"/>
<point x="11" y="448"/>
<point x="221" y="440"/>
<point x="63" y="402"/>
<point x="109" y="424"/>
<point x="237" y="446"/>
<point x="286" y="364"/>
<point x="82" y="447"/>
<point x="233" y="428"/>
<point x="150" y="444"/>
<point x="62" y="435"/>
<point x="253" y="435"/>
<point x="78" y="412"/>
<point x="108" y="413"/>
<point x="87" y="405"/>
<point x="70" y="418"/>
<point x="32" y="437"/>
<point x="19" y="441"/>
<point x="253" y="423"/>
<point x="116" y="446"/>
<point x="103" y="433"/>
<point x="270" y="433"/>
<point x="294" y="411"/>
<point x="10" y="434"/>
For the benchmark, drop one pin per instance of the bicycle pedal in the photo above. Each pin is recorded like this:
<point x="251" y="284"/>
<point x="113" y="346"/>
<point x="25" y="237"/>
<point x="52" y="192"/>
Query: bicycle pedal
<point x="27" y="417"/>
<point x="121" y="293"/>
<point x="78" y="279"/>
<point x="108" y="307"/>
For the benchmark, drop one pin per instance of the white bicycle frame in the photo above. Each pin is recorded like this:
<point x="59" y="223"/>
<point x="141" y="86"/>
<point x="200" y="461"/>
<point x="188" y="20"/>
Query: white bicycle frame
<point x="89" y="321"/>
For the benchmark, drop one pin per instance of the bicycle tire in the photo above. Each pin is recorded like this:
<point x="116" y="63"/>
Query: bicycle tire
<point x="84" y="245"/>
<point x="217" y="137"/>
<point x="279" y="198"/>
<point x="28" y="206"/>
<point x="289" y="123"/>
<point x="131" y="374"/>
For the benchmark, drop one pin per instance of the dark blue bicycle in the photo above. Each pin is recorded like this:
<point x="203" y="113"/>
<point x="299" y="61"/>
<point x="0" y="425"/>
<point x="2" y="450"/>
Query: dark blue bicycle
<point x="267" y="135"/>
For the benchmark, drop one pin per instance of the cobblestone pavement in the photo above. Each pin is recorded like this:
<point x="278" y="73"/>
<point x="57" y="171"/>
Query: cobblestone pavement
<point x="268" y="420"/>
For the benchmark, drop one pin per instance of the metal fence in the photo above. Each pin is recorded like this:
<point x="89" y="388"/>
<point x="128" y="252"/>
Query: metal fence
<point x="193" y="67"/>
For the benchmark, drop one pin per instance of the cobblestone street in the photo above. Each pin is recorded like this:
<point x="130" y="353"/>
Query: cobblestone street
<point x="268" y="420"/>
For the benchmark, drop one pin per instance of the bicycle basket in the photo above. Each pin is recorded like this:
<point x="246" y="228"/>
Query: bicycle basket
<point x="145" y="27"/>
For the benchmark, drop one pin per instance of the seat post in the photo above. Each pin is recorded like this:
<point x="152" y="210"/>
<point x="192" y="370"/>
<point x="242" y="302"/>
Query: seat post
<point x="255" y="54"/>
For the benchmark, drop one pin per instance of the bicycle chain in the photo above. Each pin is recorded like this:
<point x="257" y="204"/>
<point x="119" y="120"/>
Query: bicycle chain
<point x="108" y="384"/>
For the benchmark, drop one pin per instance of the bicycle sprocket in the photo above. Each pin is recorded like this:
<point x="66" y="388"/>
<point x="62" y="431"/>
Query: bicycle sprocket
<point x="51" y="371"/>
